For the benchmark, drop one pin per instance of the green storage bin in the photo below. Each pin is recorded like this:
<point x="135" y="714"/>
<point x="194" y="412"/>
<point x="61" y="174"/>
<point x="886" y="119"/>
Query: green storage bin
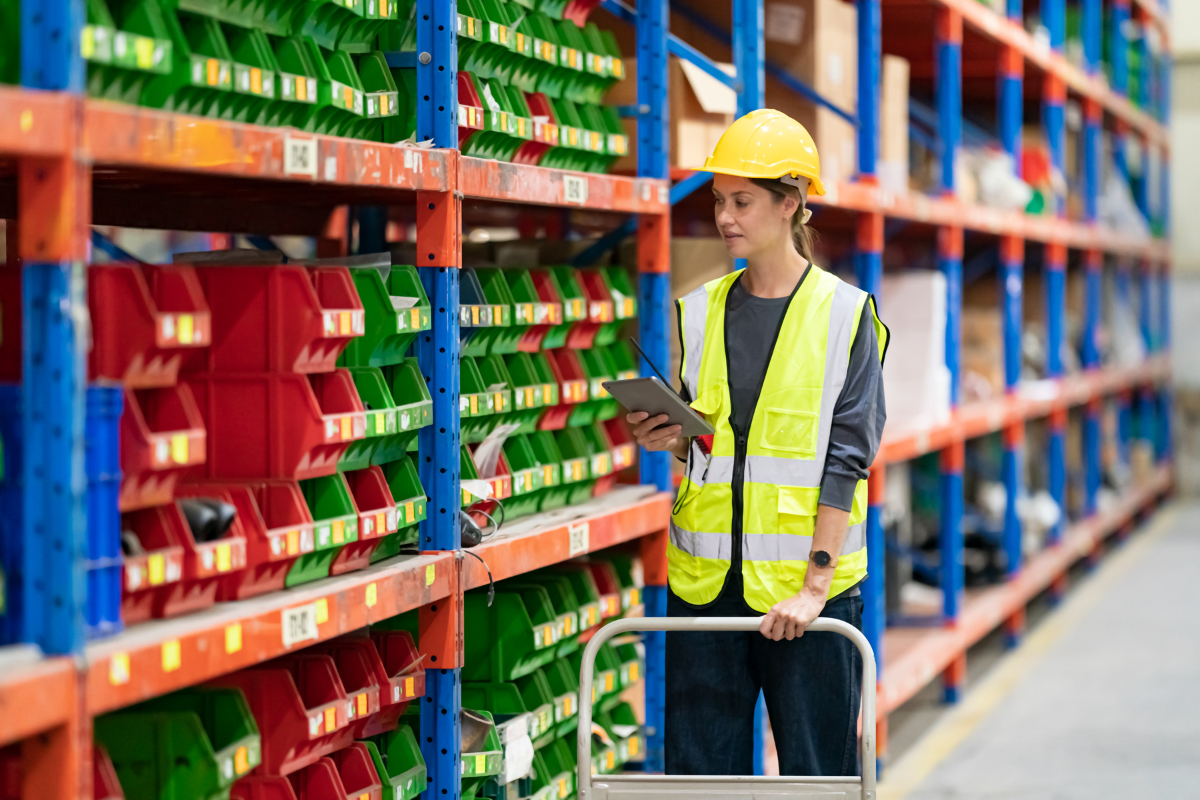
<point x="396" y="310"/>
<point x="566" y="606"/>
<point x="559" y="758"/>
<point x="121" y="54"/>
<point x="335" y="525"/>
<point x="540" y="702"/>
<point x="510" y="638"/>
<point x="506" y="700"/>
<point x="586" y="591"/>
<point x="528" y="391"/>
<point x="201" y="78"/>
<point x="411" y="509"/>
<point x="577" y="461"/>
<point x="547" y="786"/>
<point x="606" y="678"/>
<point x="477" y="402"/>
<point x="190" y="745"/>
<point x="481" y="753"/>
<point x="564" y="684"/>
<point x="494" y="372"/>
<point x="398" y="760"/>
<point x="414" y="410"/>
<point x="633" y="663"/>
<point x="628" y="569"/>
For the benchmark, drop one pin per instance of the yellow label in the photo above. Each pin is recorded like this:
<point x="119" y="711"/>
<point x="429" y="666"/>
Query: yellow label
<point x="504" y="120"/>
<point x="171" y="655"/>
<point x="339" y="531"/>
<point x="429" y="575"/>
<point x="611" y="759"/>
<point x="381" y="523"/>
<point x="520" y="126"/>
<point x="322" y="610"/>
<point x="224" y="558"/>
<point x="293" y="542"/>
<point x="416" y="318"/>
<point x="214" y="70"/>
<point x="179" y="448"/>
<point x="383" y="104"/>
<point x="410" y="689"/>
<point x="301" y="88"/>
<point x="618" y="67"/>
<point x="347" y="429"/>
<point x="87" y="43"/>
<point x="383" y="8"/>
<point x="330" y="720"/>
<point x="573" y="136"/>
<point x="549" y="634"/>
<point x="474" y="315"/>
<point x="608" y="682"/>
<point x="256" y="80"/>
<point x="593" y="693"/>
<point x="474" y="404"/>
<point x="633" y="745"/>
<point x="528" y="396"/>
<point x="470" y="26"/>
<point x="344" y="317"/>
<point x="548" y="471"/>
<point x="155" y="567"/>
<point x="503" y="35"/>
<point x="547" y="393"/>
<point x="372" y="595"/>
<point x="567" y="705"/>
<point x="409" y="513"/>
<point x="233" y="638"/>
<point x="348" y="97"/>
<point x="520" y="41"/>
<point x="633" y="671"/>
<point x="481" y="759"/>
<point x="241" y="760"/>
<point x="362" y="702"/>
<point x="380" y="424"/>
<point x="187" y="329"/>
<point x="143" y="51"/>
<point x="118" y="669"/>
<point x="562" y="787"/>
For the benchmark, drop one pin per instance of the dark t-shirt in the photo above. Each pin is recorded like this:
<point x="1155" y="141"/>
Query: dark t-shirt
<point x="750" y="326"/>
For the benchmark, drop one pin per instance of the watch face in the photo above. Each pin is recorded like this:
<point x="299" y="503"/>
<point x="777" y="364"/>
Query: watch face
<point x="821" y="558"/>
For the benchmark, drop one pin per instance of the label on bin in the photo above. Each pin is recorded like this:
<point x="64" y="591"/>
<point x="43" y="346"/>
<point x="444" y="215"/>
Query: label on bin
<point x="410" y="688"/>
<point x="372" y="595"/>
<point x="299" y="624"/>
<point x="361" y="701"/>
<point x="562" y="787"/>
<point x="578" y="534"/>
<point x="118" y="669"/>
<point x="171" y="655"/>
<point x="233" y="638"/>
<point x="155" y="568"/>
<point x="241" y="761"/>
<point x="330" y="719"/>
<point x="480" y="763"/>
<point x="224" y="559"/>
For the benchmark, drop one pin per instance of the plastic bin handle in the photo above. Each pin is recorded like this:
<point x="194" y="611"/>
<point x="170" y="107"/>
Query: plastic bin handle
<point x="819" y="625"/>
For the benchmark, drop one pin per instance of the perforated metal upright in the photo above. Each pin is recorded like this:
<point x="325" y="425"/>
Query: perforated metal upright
<point x="439" y="237"/>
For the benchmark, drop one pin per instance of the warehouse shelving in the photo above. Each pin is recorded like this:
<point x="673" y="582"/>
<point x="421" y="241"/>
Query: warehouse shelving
<point x="80" y="161"/>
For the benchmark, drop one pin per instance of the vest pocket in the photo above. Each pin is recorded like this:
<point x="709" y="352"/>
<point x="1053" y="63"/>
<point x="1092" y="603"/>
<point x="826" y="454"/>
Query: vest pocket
<point x="791" y="431"/>
<point x="797" y="508"/>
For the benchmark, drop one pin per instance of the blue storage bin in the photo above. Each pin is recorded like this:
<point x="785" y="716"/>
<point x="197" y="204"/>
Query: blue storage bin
<point x="105" y="564"/>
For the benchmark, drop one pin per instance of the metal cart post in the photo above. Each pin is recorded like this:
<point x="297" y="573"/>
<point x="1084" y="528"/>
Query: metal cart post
<point x="655" y="787"/>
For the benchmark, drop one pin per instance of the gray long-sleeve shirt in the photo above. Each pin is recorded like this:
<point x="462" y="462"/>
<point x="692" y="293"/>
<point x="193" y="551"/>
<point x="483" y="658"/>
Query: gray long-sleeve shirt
<point x="858" y="417"/>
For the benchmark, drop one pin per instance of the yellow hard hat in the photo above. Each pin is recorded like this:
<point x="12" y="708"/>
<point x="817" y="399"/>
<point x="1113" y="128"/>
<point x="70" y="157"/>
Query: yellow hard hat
<point x="767" y="144"/>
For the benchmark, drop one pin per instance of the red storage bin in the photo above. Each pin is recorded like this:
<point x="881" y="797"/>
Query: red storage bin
<point x="300" y="706"/>
<point x="376" y="518"/>
<point x="144" y="320"/>
<point x="162" y="436"/>
<point x="572" y="387"/>
<point x="279" y="318"/>
<point x="105" y="785"/>
<point x="278" y="425"/>
<point x="604" y="484"/>
<point x="599" y="309"/>
<point x="470" y="109"/>
<point x="624" y="447"/>
<point x="274" y="521"/>
<point x="157" y="570"/>
<point x="405" y="680"/>
<point x="203" y="563"/>
<point x="347" y="774"/>
<point x="545" y="134"/>
<point x="543" y="283"/>
<point x="609" y="586"/>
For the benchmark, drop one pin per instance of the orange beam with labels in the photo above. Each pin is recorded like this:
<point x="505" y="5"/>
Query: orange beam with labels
<point x="522" y="183"/>
<point x="525" y="552"/>
<point x="161" y="656"/>
<point x="439" y="228"/>
<point x="441" y="624"/>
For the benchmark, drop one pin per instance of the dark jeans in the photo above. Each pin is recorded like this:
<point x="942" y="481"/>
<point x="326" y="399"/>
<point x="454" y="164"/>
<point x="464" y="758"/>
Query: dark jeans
<point x="811" y="686"/>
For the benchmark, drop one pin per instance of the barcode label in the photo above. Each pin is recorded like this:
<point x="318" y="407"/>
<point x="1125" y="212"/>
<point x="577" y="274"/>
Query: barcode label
<point x="299" y="624"/>
<point x="578" y="534"/>
<point x="575" y="189"/>
<point x="300" y="157"/>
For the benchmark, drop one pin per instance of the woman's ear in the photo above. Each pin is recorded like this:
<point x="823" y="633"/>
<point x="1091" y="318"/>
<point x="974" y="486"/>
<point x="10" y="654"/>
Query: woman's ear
<point x="791" y="205"/>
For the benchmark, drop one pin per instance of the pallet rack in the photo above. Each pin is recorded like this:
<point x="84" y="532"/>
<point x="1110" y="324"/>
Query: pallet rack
<point x="78" y="161"/>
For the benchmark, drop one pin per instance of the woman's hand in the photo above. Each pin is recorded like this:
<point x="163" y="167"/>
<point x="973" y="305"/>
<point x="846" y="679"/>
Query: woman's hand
<point x="667" y="438"/>
<point x="787" y="619"/>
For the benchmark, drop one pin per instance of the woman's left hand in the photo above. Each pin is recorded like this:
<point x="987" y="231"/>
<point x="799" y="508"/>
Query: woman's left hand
<point x="787" y="619"/>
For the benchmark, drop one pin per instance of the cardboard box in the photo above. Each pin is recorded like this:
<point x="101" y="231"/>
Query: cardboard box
<point x="701" y="109"/>
<point x="817" y="41"/>
<point x="915" y="377"/>
<point x="893" y="125"/>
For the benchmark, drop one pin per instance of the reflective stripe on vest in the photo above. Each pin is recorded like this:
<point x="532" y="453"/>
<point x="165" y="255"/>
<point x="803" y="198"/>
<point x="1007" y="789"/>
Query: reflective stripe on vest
<point x="786" y="450"/>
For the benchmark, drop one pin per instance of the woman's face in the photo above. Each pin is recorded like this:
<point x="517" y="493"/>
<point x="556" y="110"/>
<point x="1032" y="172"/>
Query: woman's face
<point x="751" y="219"/>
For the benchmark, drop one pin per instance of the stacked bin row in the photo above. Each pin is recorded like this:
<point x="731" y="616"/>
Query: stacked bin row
<point x="313" y="408"/>
<point x="537" y="422"/>
<point x="328" y="721"/>
<point x="522" y="662"/>
<point x="532" y="74"/>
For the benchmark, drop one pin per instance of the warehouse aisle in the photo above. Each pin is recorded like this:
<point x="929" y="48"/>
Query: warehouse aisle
<point x="1100" y="702"/>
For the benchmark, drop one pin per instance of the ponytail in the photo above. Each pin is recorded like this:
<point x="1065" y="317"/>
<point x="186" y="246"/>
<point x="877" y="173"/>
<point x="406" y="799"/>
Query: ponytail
<point x="804" y="238"/>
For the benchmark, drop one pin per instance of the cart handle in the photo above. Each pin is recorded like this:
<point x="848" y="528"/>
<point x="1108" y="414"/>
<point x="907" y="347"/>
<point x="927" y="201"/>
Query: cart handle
<point x="819" y="625"/>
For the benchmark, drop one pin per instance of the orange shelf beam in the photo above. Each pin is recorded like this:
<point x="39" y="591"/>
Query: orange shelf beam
<point x="122" y="135"/>
<point x="979" y="419"/>
<point x="912" y="657"/>
<point x="161" y="656"/>
<point x="36" y="696"/>
<point x="524" y="552"/>
<point x="35" y="123"/>
<point x="522" y="183"/>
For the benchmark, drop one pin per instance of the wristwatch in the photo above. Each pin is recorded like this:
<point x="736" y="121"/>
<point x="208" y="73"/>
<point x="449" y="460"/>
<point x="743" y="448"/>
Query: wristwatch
<point x="821" y="559"/>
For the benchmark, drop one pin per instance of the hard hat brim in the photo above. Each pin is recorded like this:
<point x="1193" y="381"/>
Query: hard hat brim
<point x="815" y="186"/>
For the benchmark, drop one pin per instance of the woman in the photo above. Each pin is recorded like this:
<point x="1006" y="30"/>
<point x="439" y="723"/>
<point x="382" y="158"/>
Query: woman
<point x="785" y="360"/>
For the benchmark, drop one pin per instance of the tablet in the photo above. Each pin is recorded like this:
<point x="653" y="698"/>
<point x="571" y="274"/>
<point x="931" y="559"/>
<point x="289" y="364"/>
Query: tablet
<point x="654" y="397"/>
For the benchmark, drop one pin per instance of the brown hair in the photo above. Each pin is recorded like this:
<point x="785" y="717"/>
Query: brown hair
<point x="803" y="237"/>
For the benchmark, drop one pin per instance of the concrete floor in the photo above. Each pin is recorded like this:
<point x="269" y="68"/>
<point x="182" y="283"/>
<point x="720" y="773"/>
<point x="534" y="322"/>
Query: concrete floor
<point x="1101" y="701"/>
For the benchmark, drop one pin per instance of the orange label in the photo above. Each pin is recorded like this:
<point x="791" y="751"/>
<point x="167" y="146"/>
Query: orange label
<point x="256" y="80"/>
<point x="347" y="428"/>
<point x="344" y="318"/>
<point x="339" y="531"/>
<point x="301" y="88"/>
<point x="293" y="542"/>
<point x="330" y="720"/>
<point x="241" y="761"/>
<point x="214" y="70"/>
<point x="410" y="687"/>
<point x="348" y="95"/>
<point x="381" y="522"/>
<point x="362" y="704"/>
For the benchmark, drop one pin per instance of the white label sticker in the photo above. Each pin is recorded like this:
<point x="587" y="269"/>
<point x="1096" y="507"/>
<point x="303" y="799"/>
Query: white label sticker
<point x="664" y="194"/>
<point x="299" y="624"/>
<point x="578" y="538"/>
<point x="331" y="168"/>
<point x="300" y="156"/>
<point x="784" y="23"/>
<point x="575" y="189"/>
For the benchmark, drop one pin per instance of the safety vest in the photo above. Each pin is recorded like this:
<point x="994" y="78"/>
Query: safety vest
<point x="780" y="463"/>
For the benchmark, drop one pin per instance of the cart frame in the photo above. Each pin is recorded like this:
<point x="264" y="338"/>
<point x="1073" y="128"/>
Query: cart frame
<point x="660" y="787"/>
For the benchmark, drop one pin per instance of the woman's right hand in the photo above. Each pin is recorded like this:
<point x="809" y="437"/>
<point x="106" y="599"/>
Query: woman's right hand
<point x="666" y="438"/>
